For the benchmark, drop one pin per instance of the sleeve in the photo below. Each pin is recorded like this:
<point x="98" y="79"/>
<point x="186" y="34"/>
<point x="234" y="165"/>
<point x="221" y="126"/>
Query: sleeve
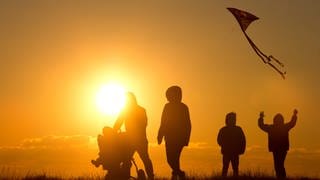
<point x="188" y="125"/>
<point x="164" y="115"/>
<point x="144" y="118"/>
<point x="219" y="137"/>
<point x="117" y="125"/>
<point x="243" y="141"/>
<point x="262" y="125"/>
<point x="292" y="123"/>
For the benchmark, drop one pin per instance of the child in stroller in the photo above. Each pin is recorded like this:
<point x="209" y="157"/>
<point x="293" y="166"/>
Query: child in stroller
<point x="115" y="156"/>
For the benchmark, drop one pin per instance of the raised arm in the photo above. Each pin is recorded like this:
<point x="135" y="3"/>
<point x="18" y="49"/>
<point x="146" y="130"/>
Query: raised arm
<point x="293" y="121"/>
<point x="117" y="125"/>
<point x="261" y="124"/>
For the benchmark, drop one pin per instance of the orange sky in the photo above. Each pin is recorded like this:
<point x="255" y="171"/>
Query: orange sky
<point x="54" y="57"/>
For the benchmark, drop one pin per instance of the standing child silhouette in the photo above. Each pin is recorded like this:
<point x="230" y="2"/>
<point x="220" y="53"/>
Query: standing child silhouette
<point x="233" y="143"/>
<point x="278" y="139"/>
<point x="175" y="128"/>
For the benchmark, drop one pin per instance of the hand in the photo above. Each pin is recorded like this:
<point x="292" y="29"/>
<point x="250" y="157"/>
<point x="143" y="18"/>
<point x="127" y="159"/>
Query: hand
<point x="261" y="114"/>
<point x="295" y="112"/>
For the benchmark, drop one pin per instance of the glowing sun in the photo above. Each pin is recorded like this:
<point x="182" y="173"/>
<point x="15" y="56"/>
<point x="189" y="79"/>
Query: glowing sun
<point x="111" y="99"/>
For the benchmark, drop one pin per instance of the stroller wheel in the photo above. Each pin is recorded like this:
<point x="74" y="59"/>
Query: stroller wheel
<point x="141" y="175"/>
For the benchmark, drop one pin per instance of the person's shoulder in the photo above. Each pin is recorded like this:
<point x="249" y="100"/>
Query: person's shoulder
<point x="167" y="104"/>
<point x="239" y="129"/>
<point x="140" y="108"/>
<point x="223" y="128"/>
<point x="184" y="105"/>
<point x="174" y="104"/>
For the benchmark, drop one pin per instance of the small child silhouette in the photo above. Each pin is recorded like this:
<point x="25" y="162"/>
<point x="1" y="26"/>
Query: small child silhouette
<point x="104" y="142"/>
<point x="114" y="154"/>
<point x="233" y="143"/>
<point x="278" y="139"/>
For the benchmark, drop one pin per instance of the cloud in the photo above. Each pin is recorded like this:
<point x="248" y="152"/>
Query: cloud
<point x="192" y="145"/>
<point x="56" y="154"/>
<point x="47" y="148"/>
<point x="73" y="154"/>
<point x="201" y="145"/>
<point x="58" y="142"/>
<point x="304" y="151"/>
<point x="253" y="148"/>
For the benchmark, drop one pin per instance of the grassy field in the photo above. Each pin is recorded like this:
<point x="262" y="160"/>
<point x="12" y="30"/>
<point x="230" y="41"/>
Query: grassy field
<point x="244" y="176"/>
<point x="7" y="173"/>
<point x="40" y="177"/>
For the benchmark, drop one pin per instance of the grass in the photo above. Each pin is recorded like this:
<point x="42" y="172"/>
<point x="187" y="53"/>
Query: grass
<point x="248" y="175"/>
<point x="241" y="177"/>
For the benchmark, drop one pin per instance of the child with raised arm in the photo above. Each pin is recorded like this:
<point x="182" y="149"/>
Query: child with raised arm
<point x="278" y="139"/>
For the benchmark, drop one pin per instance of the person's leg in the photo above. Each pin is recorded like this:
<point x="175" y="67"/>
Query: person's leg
<point x="124" y="171"/>
<point x="170" y="152"/>
<point x="144" y="155"/>
<point x="173" y="158"/>
<point x="235" y="165"/>
<point x="225" y="164"/>
<point x="181" y="173"/>
<point x="277" y="163"/>
<point x="282" y="158"/>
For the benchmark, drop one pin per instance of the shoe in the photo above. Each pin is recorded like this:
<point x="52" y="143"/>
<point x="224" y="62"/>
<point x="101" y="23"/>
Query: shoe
<point x="182" y="175"/>
<point x="95" y="163"/>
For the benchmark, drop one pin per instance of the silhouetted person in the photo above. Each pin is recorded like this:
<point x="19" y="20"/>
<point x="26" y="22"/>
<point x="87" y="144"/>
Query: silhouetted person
<point x="175" y="128"/>
<point x="105" y="141"/>
<point x="134" y="118"/>
<point x="114" y="151"/>
<point x="233" y="143"/>
<point x="278" y="139"/>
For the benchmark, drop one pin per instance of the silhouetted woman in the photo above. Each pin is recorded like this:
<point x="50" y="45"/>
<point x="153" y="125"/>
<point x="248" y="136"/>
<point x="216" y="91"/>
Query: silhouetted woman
<point x="278" y="139"/>
<point x="175" y="128"/>
<point x="134" y="117"/>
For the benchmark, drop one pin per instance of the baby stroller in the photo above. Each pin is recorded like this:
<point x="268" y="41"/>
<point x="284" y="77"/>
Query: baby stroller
<point x="116" y="156"/>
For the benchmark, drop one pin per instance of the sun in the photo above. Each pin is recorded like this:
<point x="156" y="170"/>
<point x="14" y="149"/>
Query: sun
<point x="111" y="99"/>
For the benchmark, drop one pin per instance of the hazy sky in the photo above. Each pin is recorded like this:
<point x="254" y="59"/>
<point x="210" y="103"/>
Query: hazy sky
<point x="55" y="55"/>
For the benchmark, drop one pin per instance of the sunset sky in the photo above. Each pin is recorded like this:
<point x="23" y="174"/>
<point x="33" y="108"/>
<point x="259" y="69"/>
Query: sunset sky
<point x="55" y="56"/>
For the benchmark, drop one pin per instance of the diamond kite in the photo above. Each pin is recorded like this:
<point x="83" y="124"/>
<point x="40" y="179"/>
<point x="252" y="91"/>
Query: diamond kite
<point x="245" y="19"/>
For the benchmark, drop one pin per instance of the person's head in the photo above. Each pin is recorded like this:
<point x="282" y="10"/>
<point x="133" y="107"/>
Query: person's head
<point x="231" y="119"/>
<point x="278" y="119"/>
<point x="174" y="94"/>
<point x="131" y="99"/>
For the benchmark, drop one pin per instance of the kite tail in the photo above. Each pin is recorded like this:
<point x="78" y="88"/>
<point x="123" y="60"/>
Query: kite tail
<point x="275" y="68"/>
<point x="266" y="59"/>
<point x="276" y="60"/>
<point x="256" y="49"/>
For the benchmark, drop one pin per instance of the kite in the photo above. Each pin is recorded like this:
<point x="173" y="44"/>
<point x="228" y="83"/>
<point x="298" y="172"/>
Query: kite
<point x="244" y="19"/>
